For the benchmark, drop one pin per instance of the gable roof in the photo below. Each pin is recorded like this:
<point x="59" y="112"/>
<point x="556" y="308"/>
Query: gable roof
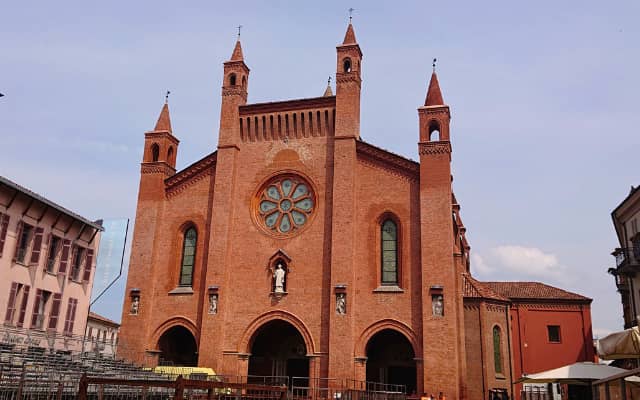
<point x="9" y="183"/>
<point x="388" y="158"/>
<point x="533" y="291"/>
<point x="105" y="320"/>
<point x="474" y="289"/>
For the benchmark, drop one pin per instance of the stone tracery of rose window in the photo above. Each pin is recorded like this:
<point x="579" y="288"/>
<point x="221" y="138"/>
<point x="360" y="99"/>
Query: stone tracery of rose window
<point x="285" y="204"/>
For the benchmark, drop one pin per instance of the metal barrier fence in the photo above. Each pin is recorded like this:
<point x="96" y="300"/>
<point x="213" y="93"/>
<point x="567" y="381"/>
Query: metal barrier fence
<point x="108" y="388"/>
<point x="344" y="389"/>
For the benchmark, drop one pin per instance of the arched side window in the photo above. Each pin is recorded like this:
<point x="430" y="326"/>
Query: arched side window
<point x="497" y="350"/>
<point x="170" y="154"/>
<point x="389" y="252"/>
<point x="188" y="256"/>
<point x="155" y="152"/>
<point x="232" y="79"/>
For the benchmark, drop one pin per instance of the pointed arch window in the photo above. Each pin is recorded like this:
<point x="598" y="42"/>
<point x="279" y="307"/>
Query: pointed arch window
<point x="188" y="256"/>
<point x="389" y="252"/>
<point x="155" y="152"/>
<point x="497" y="350"/>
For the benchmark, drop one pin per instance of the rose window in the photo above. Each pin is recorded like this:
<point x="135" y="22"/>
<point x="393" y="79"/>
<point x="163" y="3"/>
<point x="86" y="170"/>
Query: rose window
<point x="285" y="204"/>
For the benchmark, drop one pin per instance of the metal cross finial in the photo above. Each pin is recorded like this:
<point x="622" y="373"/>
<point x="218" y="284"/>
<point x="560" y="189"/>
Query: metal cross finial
<point x="329" y="81"/>
<point x="239" y="28"/>
<point x="166" y="97"/>
<point x="434" y="64"/>
<point x="351" y="10"/>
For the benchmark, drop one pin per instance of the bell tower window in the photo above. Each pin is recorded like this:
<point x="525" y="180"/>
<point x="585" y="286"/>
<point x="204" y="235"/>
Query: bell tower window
<point x="346" y="65"/>
<point x="232" y="79"/>
<point x="434" y="132"/>
<point x="155" y="152"/>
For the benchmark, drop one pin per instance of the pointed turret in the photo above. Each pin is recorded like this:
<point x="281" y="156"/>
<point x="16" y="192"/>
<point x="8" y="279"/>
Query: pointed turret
<point x="350" y="36"/>
<point x="237" y="52"/>
<point x="328" y="92"/>
<point x="434" y="95"/>
<point x="348" y="81"/>
<point x="164" y="121"/>
<point x="235" y="86"/>
<point x="160" y="146"/>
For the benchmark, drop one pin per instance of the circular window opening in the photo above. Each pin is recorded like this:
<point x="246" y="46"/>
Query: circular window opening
<point x="285" y="204"/>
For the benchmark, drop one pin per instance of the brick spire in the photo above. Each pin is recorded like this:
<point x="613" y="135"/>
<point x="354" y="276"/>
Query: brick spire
<point x="164" y="122"/>
<point x="350" y="36"/>
<point x="237" y="52"/>
<point x="434" y="96"/>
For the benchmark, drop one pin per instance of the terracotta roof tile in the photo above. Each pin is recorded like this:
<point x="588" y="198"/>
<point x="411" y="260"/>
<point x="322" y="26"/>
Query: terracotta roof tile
<point x="533" y="291"/>
<point x="100" y="318"/>
<point x="472" y="288"/>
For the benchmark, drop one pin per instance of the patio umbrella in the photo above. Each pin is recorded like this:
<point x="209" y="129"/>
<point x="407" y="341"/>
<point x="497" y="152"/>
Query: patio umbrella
<point x="618" y="345"/>
<point x="580" y="373"/>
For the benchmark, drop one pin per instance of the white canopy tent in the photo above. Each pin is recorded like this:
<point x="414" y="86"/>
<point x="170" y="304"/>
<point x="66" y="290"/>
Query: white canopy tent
<point x="619" y="345"/>
<point x="581" y="373"/>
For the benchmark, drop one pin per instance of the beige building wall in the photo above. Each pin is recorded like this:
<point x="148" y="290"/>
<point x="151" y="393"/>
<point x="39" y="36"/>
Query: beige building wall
<point x="47" y="265"/>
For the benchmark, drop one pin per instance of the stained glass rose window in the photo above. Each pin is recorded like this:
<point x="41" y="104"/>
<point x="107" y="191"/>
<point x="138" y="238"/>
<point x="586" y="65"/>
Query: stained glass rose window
<point x="285" y="204"/>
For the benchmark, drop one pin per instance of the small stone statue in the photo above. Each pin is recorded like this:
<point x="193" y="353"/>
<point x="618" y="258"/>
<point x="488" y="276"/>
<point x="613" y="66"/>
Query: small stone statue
<point x="213" y="304"/>
<point x="135" y="305"/>
<point x="437" y="305"/>
<point x="341" y="303"/>
<point x="279" y="278"/>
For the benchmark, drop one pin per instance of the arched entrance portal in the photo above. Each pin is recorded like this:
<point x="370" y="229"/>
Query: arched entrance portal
<point x="278" y="349"/>
<point x="178" y="347"/>
<point x="390" y="359"/>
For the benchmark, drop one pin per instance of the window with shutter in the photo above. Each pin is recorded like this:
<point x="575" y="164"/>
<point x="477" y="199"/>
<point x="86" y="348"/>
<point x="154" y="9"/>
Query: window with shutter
<point x="13" y="292"/>
<point x="64" y="257"/>
<point x="4" y="225"/>
<point x="76" y="263"/>
<point x="39" y="309"/>
<point x="54" y="246"/>
<point x="23" y="306"/>
<point x="18" y="236"/>
<point x="55" y="311"/>
<point x="71" y="316"/>
<point x="37" y="246"/>
<point x="88" y="265"/>
<point x="36" y="308"/>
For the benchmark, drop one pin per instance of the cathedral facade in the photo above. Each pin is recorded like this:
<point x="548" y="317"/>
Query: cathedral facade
<point x="297" y="249"/>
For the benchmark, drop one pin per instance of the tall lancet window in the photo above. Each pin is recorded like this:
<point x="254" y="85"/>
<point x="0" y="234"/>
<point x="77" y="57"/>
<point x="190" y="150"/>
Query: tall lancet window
<point x="497" y="350"/>
<point x="389" y="244"/>
<point x="188" y="257"/>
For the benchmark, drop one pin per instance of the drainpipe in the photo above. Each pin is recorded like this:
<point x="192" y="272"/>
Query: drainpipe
<point x="508" y="317"/>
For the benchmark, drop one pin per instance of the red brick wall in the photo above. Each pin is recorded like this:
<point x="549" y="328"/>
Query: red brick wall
<point x="532" y="351"/>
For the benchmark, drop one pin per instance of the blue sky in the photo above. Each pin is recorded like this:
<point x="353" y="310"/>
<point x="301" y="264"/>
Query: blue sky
<point x="543" y="98"/>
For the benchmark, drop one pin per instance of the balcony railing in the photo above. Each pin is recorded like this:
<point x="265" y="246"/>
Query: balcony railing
<point x="627" y="256"/>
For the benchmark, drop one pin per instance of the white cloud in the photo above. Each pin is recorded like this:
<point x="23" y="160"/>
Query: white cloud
<point x="509" y="262"/>
<point x="478" y="264"/>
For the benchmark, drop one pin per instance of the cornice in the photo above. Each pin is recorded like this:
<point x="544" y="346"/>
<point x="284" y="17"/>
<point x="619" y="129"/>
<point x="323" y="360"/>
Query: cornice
<point x="288" y="105"/>
<point x="160" y="167"/>
<point x="392" y="162"/>
<point x="234" y="91"/>
<point x="434" y="148"/>
<point x="190" y="175"/>
<point x="342" y="77"/>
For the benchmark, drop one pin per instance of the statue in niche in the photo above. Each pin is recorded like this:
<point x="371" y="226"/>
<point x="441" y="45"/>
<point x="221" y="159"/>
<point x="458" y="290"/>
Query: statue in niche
<point x="213" y="303"/>
<point x="437" y="305"/>
<point x="135" y="305"/>
<point x="341" y="303"/>
<point x="279" y="278"/>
